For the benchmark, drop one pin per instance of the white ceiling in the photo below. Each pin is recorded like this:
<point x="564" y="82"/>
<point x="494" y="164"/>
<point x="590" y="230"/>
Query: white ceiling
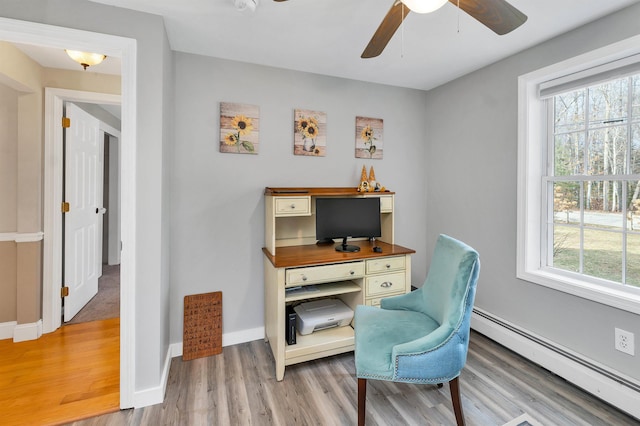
<point x="328" y="36"/>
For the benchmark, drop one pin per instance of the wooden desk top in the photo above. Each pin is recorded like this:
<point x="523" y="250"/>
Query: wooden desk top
<point x="313" y="254"/>
<point x="319" y="191"/>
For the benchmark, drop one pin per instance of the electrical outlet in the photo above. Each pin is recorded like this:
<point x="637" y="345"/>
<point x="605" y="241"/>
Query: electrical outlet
<point x="624" y="341"/>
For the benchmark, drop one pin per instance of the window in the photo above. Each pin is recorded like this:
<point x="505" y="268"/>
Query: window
<point x="579" y="176"/>
<point x="593" y="181"/>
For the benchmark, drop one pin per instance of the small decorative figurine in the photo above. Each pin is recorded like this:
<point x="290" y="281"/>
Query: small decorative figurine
<point x="372" y="180"/>
<point x="369" y="184"/>
<point x="364" y="183"/>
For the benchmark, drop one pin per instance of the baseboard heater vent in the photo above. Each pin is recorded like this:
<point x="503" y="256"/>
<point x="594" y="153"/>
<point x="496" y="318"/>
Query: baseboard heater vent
<point x="559" y="350"/>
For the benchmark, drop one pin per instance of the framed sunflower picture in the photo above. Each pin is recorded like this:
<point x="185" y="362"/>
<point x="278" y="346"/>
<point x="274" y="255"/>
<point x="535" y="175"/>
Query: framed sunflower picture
<point x="309" y="133"/>
<point x="239" y="128"/>
<point x="369" y="140"/>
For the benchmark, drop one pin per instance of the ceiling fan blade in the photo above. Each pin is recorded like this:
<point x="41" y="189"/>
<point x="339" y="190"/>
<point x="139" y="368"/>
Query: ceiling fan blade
<point x="497" y="15"/>
<point x="386" y="30"/>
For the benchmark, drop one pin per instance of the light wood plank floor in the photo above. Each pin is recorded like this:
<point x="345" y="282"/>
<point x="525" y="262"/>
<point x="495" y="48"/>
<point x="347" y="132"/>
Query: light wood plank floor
<point x="66" y="375"/>
<point x="238" y="387"/>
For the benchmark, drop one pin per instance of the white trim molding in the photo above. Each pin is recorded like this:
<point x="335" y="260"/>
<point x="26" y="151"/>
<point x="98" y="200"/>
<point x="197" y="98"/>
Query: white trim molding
<point x="6" y="329"/>
<point x="615" y="388"/>
<point x="228" y="339"/>
<point x="53" y="177"/>
<point x="155" y="395"/>
<point x="29" y="331"/>
<point x="22" y="237"/>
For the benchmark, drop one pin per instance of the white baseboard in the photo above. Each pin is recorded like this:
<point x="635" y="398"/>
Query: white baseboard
<point x="228" y="339"/>
<point x="600" y="385"/>
<point x="30" y="331"/>
<point x="154" y="395"/>
<point x="6" y="329"/>
<point x="235" y="338"/>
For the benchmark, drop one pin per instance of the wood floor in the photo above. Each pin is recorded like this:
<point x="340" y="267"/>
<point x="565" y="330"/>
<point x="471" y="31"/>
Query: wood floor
<point x="238" y="387"/>
<point x="66" y="375"/>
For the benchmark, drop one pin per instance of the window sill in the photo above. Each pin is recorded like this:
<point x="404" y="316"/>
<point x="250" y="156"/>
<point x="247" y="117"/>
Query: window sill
<point x="598" y="293"/>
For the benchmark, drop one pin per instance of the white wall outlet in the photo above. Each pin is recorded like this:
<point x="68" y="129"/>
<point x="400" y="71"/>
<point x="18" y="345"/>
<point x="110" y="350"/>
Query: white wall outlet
<point x="624" y="341"/>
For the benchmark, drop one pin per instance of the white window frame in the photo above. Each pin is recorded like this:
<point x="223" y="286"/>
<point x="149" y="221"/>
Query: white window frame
<point x="532" y="140"/>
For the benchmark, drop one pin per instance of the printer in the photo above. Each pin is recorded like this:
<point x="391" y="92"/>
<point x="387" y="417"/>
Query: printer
<point x="322" y="314"/>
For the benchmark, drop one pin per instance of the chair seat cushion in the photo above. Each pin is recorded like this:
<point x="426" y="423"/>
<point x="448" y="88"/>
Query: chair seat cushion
<point x="377" y="331"/>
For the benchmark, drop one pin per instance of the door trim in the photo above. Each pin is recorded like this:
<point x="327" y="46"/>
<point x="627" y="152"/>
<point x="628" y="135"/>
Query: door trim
<point x="53" y="197"/>
<point x="126" y="48"/>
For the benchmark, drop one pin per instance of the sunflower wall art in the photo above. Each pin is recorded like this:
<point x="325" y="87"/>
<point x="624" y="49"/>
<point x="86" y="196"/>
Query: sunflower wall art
<point x="239" y="128"/>
<point x="309" y="133"/>
<point x="369" y="140"/>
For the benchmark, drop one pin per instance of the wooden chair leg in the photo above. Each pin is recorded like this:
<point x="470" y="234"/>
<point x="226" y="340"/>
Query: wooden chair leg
<point x="454" y="386"/>
<point x="362" y="398"/>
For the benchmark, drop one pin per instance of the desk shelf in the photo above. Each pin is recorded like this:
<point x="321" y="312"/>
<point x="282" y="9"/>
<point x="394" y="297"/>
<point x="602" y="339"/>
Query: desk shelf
<point x="334" y="340"/>
<point x="324" y="290"/>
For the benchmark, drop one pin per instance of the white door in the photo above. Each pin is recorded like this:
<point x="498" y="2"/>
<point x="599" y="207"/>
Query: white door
<point x="83" y="222"/>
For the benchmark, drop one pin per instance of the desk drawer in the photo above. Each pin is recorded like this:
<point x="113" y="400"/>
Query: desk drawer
<point x="293" y="206"/>
<point x="375" y="266"/>
<point x="383" y="285"/>
<point x="386" y="203"/>
<point x="323" y="274"/>
<point x="375" y="302"/>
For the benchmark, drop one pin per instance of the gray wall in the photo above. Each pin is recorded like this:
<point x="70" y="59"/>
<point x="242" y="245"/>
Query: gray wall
<point x="471" y="175"/>
<point x="218" y="208"/>
<point x="154" y="76"/>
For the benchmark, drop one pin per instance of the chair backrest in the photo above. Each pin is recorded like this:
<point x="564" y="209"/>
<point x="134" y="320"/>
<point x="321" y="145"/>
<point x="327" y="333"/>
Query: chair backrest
<point x="449" y="289"/>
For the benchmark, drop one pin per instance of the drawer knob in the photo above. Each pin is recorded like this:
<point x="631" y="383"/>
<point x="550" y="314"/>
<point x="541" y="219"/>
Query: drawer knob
<point x="304" y="278"/>
<point x="388" y="266"/>
<point x="352" y="272"/>
<point x="386" y="284"/>
<point x="293" y="206"/>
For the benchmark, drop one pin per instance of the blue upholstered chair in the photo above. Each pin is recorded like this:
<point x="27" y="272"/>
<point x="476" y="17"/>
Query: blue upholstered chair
<point x="421" y="337"/>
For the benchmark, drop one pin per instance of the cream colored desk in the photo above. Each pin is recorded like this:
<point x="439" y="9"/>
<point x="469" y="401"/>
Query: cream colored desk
<point x="292" y="259"/>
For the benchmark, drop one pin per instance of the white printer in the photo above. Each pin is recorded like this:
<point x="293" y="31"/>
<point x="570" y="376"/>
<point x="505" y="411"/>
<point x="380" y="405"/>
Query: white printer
<point x="322" y="314"/>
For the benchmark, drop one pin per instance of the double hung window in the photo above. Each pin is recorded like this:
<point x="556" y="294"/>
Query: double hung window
<point x="592" y="180"/>
<point x="579" y="177"/>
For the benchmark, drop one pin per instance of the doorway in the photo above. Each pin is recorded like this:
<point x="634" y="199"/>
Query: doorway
<point x="58" y="37"/>
<point x="91" y="264"/>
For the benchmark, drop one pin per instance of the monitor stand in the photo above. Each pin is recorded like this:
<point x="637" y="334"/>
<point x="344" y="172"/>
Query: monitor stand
<point x="346" y="248"/>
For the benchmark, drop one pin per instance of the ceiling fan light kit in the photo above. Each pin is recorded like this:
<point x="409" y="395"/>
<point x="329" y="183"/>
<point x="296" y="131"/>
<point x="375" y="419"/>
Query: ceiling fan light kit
<point x="424" y="6"/>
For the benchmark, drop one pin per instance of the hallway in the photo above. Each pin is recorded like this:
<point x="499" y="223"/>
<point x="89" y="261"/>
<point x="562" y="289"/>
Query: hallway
<point x="70" y="374"/>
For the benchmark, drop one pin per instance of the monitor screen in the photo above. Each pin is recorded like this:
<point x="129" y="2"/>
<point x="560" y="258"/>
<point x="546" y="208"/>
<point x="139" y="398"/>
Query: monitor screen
<point x="347" y="218"/>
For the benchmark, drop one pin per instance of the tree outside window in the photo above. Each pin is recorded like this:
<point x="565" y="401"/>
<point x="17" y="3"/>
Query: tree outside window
<point x="594" y="181"/>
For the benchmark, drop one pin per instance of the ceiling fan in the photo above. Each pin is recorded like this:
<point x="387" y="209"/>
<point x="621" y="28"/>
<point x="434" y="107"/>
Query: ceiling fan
<point x="497" y="15"/>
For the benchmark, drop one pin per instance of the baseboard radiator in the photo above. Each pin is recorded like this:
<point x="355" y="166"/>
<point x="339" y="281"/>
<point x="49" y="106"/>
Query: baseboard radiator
<point x="605" y="383"/>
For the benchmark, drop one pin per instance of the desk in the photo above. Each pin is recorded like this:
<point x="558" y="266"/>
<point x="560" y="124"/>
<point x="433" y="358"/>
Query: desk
<point x="363" y="277"/>
<point x="292" y="259"/>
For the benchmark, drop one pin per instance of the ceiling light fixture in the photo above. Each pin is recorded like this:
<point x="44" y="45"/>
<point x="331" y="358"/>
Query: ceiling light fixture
<point x="85" y="59"/>
<point x="243" y="5"/>
<point x="424" y="6"/>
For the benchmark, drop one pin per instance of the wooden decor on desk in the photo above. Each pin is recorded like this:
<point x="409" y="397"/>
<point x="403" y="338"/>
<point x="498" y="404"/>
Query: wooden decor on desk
<point x="202" y="330"/>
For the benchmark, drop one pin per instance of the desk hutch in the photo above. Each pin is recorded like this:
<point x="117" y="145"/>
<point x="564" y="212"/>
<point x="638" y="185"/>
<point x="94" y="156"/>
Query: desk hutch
<point x="292" y="259"/>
